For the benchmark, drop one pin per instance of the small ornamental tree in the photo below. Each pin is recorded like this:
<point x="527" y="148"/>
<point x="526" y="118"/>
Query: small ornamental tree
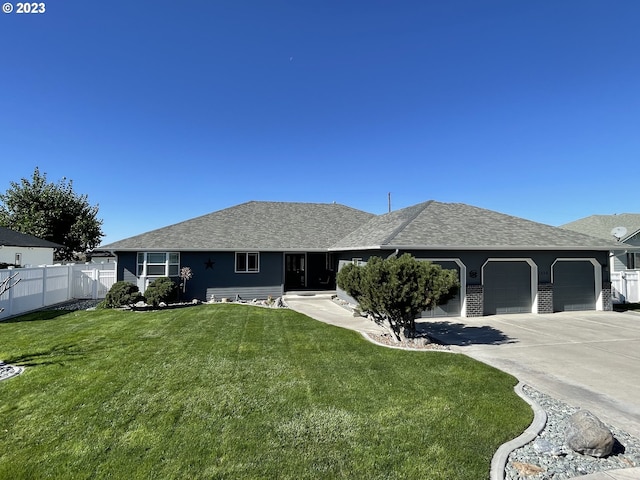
<point x="394" y="291"/>
<point x="185" y="274"/>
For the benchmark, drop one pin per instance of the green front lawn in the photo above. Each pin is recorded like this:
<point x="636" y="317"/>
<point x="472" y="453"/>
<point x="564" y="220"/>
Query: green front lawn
<point x="231" y="391"/>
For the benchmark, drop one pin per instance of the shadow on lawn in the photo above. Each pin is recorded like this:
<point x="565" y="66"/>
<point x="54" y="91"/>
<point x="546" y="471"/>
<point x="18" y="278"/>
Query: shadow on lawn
<point x="460" y="334"/>
<point x="38" y="315"/>
<point x="55" y="355"/>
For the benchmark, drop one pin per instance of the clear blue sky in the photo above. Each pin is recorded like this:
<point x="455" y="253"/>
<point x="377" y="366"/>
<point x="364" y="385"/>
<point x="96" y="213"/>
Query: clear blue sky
<point x="161" y="111"/>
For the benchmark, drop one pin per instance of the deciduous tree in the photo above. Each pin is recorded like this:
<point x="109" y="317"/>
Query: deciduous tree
<point x="54" y="212"/>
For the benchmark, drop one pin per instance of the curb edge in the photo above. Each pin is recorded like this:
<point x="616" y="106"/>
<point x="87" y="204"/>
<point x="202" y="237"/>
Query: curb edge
<point x="499" y="460"/>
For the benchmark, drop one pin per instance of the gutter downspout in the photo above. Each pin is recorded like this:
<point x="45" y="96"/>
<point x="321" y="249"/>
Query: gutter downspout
<point x="394" y="254"/>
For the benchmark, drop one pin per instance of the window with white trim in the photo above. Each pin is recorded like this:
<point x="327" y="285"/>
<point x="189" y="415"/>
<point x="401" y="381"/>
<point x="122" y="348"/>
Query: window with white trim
<point x="247" y="262"/>
<point x="158" y="264"/>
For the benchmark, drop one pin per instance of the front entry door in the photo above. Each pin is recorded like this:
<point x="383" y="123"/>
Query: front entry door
<point x="294" y="268"/>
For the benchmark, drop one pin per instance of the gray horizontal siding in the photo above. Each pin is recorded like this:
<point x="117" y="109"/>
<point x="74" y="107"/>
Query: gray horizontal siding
<point x="246" y="293"/>
<point x="620" y="262"/>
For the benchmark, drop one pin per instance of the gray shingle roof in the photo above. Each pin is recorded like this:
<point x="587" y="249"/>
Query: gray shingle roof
<point x="289" y="226"/>
<point x="437" y="225"/>
<point x="601" y="225"/>
<point x="259" y="226"/>
<point x="12" y="238"/>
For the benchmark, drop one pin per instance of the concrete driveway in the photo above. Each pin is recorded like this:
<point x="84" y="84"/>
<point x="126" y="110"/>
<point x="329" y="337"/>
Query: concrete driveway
<point x="587" y="359"/>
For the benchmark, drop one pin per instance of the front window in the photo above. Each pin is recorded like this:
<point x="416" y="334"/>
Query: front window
<point x="633" y="261"/>
<point x="247" y="262"/>
<point x="158" y="264"/>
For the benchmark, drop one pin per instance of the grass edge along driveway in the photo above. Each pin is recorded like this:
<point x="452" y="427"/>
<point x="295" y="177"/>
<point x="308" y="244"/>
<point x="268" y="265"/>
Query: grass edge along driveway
<point x="231" y="391"/>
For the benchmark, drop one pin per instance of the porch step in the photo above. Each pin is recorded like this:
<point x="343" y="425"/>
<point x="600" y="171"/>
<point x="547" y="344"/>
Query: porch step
<point x="303" y="294"/>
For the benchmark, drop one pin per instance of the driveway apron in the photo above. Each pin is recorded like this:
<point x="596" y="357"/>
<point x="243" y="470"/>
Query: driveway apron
<point x="590" y="360"/>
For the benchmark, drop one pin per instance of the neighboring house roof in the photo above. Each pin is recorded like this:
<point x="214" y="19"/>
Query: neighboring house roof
<point x="437" y="226"/>
<point x="601" y="225"/>
<point x="11" y="238"/>
<point x="254" y="226"/>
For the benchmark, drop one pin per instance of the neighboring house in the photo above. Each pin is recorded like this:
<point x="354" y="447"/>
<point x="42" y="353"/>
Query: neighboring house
<point x="624" y="229"/>
<point x="505" y="264"/>
<point x="22" y="250"/>
<point x="99" y="257"/>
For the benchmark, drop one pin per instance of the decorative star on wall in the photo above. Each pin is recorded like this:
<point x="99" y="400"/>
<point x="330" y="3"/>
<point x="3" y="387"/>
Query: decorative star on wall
<point x="209" y="264"/>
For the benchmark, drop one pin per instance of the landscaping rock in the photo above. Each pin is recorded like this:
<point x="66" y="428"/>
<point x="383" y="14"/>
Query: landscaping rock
<point x="586" y="434"/>
<point x="527" y="469"/>
<point x="545" y="447"/>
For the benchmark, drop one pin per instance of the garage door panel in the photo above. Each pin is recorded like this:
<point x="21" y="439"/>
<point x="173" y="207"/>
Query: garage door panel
<point x="573" y="286"/>
<point x="507" y="287"/>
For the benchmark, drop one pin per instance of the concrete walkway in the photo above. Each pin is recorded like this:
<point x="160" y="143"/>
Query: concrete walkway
<point x="587" y="359"/>
<point x="321" y="307"/>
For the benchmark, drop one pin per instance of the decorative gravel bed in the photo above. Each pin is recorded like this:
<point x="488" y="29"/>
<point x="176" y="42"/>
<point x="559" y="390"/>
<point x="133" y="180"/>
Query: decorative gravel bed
<point x="548" y="458"/>
<point x="77" y="305"/>
<point x="423" y="342"/>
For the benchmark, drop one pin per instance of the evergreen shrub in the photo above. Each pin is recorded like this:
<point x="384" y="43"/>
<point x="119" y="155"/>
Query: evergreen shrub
<point x="121" y="294"/>
<point x="162" y="289"/>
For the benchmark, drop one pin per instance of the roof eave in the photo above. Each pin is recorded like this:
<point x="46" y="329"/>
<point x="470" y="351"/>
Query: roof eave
<point x="630" y="236"/>
<point x="479" y="247"/>
<point x="227" y="249"/>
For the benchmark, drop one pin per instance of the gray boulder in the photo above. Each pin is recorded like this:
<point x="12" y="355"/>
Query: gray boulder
<point x="586" y="434"/>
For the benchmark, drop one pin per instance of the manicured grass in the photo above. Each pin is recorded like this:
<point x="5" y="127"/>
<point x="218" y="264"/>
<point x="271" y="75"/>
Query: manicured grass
<point x="231" y="391"/>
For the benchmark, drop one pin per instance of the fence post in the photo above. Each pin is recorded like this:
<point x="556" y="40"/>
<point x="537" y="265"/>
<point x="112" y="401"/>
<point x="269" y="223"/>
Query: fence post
<point x="95" y="279"/>
<point x="44" y="286"/>
<point x="70" y="279"/>
<point x="10" y="309"/>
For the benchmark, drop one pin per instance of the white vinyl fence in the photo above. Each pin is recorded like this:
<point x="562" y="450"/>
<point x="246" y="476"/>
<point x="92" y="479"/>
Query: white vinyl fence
<point x="41" y="287"/>
<point x="626" y="286"/>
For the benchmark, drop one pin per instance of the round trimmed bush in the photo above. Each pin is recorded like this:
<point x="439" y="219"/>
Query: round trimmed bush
<point x="162" y="289"/>
<point x="122" y="294"/>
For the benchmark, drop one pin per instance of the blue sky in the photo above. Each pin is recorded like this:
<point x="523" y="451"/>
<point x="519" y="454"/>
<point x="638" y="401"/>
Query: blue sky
<point x="161" y="111"/>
